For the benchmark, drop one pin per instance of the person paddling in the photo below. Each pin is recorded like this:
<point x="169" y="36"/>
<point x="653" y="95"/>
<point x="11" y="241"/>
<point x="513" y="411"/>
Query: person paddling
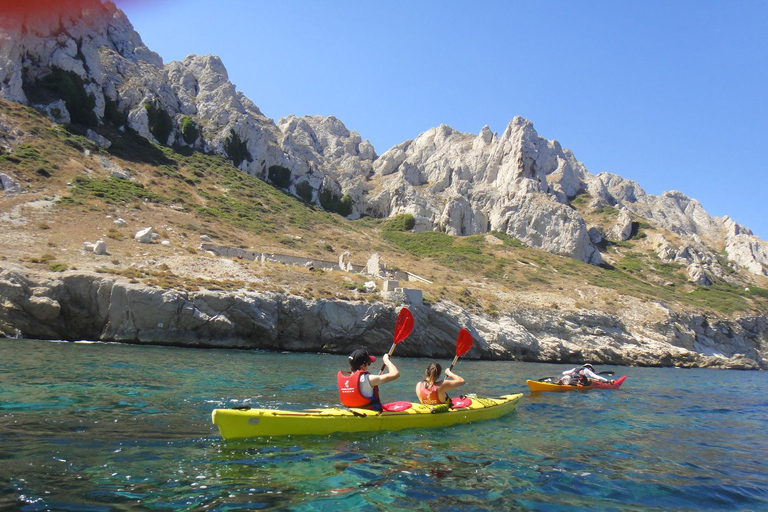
<point x="581" y="376"/>
<point x="432" y="391"/>
<point x="358" y="388"/>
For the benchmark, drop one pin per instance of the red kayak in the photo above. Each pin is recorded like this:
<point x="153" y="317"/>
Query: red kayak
<point x="536" y="385"/>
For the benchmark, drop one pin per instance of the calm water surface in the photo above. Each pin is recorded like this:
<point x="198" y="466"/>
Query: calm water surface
<point x="102" y="427"/>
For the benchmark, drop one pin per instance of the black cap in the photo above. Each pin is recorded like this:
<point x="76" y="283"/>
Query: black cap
<point x="360" y="357"/>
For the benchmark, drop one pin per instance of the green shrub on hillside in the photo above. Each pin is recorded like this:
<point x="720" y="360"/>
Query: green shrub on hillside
<point x="57" y="266"/>
<point x="332" y="203"/>
<point x="68" y="86"/>
<point x="112" y="114"/>
<point x="402" y="222"/>
<point x="304" y="191"/>
<point x="189" y="130"/>
<point x="160" y="123"/>
<point x="236" y="149"/>
<point x="279" y="176"/>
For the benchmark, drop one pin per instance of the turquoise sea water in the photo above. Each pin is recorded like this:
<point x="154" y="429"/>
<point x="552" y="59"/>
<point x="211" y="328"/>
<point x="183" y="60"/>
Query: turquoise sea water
<point x="101" y="427"/>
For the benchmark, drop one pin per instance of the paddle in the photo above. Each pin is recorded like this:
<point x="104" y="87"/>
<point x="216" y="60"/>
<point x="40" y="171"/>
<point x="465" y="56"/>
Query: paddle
<point x="403" y="328"/>
<point x="463" y="344"/>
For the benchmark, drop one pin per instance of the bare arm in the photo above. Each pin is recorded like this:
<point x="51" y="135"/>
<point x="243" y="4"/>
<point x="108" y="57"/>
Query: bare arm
<point x="451" y="381"/>
<point x="592" y="375"/>
<point x="392" y="373"/>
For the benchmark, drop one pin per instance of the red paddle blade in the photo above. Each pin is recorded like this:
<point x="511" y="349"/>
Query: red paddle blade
<point x="404" y="325"/>
<point x="463" y="342"/>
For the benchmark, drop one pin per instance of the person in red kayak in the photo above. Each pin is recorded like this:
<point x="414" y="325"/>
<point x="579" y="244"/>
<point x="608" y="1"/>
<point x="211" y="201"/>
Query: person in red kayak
<point x="432" y="391"/>
<point x="581" y="376"/>
<point x="358" y="388"/>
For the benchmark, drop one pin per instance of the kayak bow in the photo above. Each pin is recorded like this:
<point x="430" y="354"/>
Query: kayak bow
<point x="234" y="423"/>
<point x="536" y="385"/>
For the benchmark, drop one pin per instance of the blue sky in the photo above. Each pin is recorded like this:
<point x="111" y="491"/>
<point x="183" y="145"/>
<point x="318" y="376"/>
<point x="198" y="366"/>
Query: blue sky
<point x="673" y="95"/>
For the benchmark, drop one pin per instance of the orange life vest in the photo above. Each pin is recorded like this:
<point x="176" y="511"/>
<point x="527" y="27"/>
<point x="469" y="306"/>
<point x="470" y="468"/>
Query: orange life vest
<point x="429" y="395"/>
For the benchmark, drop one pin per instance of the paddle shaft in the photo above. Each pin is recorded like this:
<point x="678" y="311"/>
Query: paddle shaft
<point x="390" y="354"/>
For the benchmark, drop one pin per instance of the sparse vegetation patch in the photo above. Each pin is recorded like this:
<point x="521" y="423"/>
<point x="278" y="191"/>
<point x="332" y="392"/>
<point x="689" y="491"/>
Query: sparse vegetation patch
<point x="237" y="149"/>
<point x="112" y="190"/>
<point x="160" y="122"/>
<point x="189" y="130"/>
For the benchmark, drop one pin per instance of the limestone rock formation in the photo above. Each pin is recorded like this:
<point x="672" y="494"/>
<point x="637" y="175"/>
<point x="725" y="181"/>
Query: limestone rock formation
<point x="8" y="184"/>
<point x="622" y="230"/>
<point x="745" y="249"/>
<point x="92" y="306"/>
<point x="518" y="182"/>
<point x="463" y="184"/>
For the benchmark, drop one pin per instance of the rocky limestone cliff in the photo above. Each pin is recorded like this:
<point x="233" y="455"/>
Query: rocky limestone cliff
<point x="462" y="184"/>
<point x="518" y="183"/>
<point x="90" y="306"/>
<point x="191" y="102"/>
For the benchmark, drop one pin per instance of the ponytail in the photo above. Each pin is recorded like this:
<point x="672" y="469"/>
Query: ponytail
<point x="432" y="373"/>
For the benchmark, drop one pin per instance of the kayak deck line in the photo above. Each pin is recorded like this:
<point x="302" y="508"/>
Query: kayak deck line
<point x="238" y="423"/>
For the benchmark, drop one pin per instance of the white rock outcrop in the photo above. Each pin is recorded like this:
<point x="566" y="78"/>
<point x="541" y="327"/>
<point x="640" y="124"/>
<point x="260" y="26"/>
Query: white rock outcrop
<point x="622" y="230"/>
<point x="100" y="248"/>
<point x="8" y="184"/>
<point x="144" y="236"/>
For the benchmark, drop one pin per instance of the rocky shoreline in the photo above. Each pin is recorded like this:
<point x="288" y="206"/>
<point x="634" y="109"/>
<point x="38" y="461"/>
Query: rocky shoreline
<point x="77" y="305"/>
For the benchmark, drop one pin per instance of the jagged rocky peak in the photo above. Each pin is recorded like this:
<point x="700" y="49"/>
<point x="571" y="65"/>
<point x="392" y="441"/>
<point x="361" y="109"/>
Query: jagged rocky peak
<point x="326" y="137"/>
<point x="466" y="184"/>
<point x="518" y="182"/>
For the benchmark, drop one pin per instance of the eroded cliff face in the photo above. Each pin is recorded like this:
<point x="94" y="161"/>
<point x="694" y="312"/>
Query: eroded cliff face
<point x="90" y="306"/>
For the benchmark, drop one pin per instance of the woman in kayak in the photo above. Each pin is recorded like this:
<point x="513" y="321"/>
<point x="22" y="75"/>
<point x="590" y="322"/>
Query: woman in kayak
<point x="581" y="376"/>
<point x="358" y="388"/>
<point x="432" y="391"/>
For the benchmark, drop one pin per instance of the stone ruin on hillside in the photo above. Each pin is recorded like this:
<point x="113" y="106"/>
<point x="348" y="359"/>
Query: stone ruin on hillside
<point x="391" y="289"/>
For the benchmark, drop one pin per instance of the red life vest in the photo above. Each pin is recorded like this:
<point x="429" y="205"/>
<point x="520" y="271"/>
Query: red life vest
<point x="429" y="395"/>
<point x="350" y="394"/>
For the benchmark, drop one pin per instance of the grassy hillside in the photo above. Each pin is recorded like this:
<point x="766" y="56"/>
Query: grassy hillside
<point x="70" y="198"/>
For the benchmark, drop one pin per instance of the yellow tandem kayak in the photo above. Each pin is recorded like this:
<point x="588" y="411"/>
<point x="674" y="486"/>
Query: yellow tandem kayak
<point x="236" y="423"/>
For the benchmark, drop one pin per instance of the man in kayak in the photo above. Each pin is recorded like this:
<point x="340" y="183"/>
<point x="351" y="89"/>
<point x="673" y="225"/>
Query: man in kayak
<point x="432" y="391"/>
<point x="581" y="376"/>
<point x="358" y="388"/>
